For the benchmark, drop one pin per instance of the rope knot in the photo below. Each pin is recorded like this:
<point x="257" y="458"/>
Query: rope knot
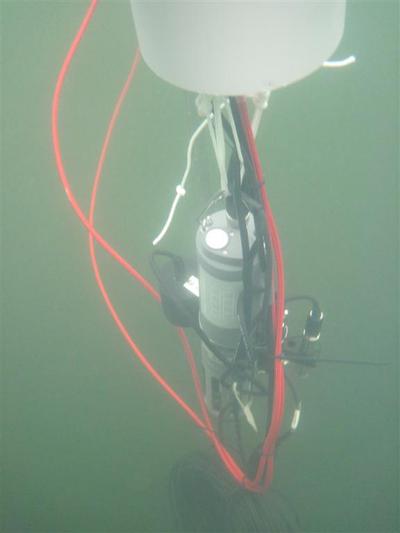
<point x="180" y="191"/>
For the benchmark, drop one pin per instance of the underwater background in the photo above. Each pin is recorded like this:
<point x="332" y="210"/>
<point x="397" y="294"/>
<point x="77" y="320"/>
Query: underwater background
<point x="88" y="438"/>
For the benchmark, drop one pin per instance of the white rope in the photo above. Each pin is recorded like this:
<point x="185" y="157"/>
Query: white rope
<point x="237" y="143"/>
<point x="205" y="105"/>
<point x="180" y="189"/>
<point x="218" y="140"/>
<point x="255" y="123"/>
<point x="212" y="134"/>
<point x="246" y="408"/>
<point x="340" y="63"/>
<point x="260" y="103"/>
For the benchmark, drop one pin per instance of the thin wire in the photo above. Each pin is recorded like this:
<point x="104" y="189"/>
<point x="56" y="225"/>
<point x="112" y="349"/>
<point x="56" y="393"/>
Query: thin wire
<point x="220" y="137"/>
<point x="255" y="123"/>
<point x="88" y="223"/>
<point x="180" y="189"/>
<point x="339" y="63"/>
<point x="261" y="103"/>
<point x="237" y="143"/>
<point x="218" y="141"/>
<point x="60" y="165"/>
<point x="207" y="426"/>
<point x="229" y="462"/>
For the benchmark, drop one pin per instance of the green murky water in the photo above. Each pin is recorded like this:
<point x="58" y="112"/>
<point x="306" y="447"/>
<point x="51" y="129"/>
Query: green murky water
<point x="88" y="438"/>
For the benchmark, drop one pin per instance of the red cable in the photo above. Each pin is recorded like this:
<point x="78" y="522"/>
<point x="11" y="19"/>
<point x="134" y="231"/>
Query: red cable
<point x="229" y="462"/>
<point x="96" y="271"/>
<point x="278" y="312"/>
<point x="60" y="166"/>
<point x="88" y="224"/>
<point x="208" y="426"/>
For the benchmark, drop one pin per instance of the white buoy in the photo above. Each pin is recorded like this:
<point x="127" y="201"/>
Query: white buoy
<point x="237" y="47"/>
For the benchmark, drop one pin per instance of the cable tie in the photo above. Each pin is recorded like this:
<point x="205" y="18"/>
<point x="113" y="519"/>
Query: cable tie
<point x="296" y="418"/>
<point x="180" y="191"/>
<point x="340" y="63"/>
<point x="203" y="105"/>
<point x="260" y="100"/>
<point x="246" y="408"/>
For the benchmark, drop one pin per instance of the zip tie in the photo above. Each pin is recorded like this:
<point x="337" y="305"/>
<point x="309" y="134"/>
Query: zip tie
<point x="340" y="63"/>
<point x="296" y="418"/>
<point x="260" y="102"/>
<point x="220" y="142"/>
<point x="237" y="143"/>
<point x="203" y="105"/>
<point x="245" y="408"/>
<point x="180" y="188"/>
<point x="180" y="191"/>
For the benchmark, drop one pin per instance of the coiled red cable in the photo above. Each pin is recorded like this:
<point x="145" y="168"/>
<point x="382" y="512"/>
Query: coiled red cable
<point x="260" y="482"/>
